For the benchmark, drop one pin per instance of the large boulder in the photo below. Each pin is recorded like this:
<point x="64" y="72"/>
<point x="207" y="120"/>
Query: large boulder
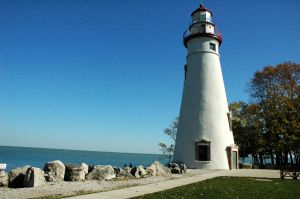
<point x="74" y="172"/>
<point x="157" y="169"/>
<point x="101" y="172"/>
<point x="16" y="177"/>
<point x="34" y="177"/>
<point x="124" y="173"/>
<point x="177" y="168"/>
<point x="55" y="171"/>
<point x="117" y="170"/>
<point x="138" y="171"/>
<point x="3" y="179"/>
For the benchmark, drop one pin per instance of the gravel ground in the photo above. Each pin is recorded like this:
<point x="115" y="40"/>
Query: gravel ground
<point x="63" y="189"/>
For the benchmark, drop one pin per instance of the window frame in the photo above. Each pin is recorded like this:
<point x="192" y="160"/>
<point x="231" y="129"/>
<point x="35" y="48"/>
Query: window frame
<point x="208" y="152"/>
<point x="212" y="46"/>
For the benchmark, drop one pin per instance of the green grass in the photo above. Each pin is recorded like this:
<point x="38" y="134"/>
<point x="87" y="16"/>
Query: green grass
<point x="234" y="187"/>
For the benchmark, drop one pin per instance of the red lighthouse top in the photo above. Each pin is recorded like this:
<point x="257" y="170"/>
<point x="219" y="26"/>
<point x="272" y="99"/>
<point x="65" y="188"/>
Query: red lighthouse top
<point x="201" y="8"/>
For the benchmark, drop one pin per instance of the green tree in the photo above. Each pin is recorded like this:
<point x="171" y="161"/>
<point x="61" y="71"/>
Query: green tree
<point x="275" y="91"/>
<point x="269" y="126"/>
<point x="246" y="129"/>
<point x="171" y="131"/>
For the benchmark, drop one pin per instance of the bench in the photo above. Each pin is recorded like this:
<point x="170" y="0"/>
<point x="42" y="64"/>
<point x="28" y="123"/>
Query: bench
<point x="290" y="171"/>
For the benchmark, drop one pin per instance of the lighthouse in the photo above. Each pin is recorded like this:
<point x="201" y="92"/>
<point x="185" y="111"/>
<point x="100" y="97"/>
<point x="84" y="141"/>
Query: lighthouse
<point x="204" y="136"/>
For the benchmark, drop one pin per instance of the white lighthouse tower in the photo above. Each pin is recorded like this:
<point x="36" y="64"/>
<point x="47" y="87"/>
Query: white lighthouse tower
<point x="204" y="137"/>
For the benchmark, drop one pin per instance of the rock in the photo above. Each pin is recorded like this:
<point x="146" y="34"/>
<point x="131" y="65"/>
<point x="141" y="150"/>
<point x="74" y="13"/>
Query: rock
<point x="3" y="179"/>
<point x="86" y="168"/>
<point x="91" y="167"/>
<point x="16" y="177"/>
<point x="55" y="171"/>
<point x="246" y="166"/>
<point x="127" y="169"/>
<point x="34" y="177"/>
<point x="138" y="171"/>
<point x="183" y="168"/>
<point x="74" y="172"/>
<point x="157" y="169"/>
<point x="177" y="168"/>
<point x="117" y="170"/>
<point x="101" y="172"/>
<point x="125" y="173"/>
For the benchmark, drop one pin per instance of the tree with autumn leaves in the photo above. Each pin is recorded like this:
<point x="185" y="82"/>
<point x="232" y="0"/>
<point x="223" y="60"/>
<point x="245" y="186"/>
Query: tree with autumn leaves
<point x="269" y="126"/>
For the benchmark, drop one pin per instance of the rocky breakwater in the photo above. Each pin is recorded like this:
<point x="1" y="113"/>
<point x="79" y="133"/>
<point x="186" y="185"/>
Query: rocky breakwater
<point x="56" y="171"/>
<point x="101" y="172"/>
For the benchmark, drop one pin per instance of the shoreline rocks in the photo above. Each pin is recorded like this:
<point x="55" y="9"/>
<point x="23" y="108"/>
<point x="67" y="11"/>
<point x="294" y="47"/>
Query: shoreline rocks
<point x="157" y="169"/>
<point x="3" y="179"/>
<point x="102" y="172"/>
<point x="74" y="172"/>
<point x="138" y="171"/>
<point x="177" y="167"/>
<point x="34" y="177"/>
<point x="54" y="171"/>
<point x="16" y="177"/>
<point x="125" y="173"/>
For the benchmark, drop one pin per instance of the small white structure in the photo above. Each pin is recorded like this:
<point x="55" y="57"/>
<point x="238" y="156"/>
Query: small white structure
<point x="204" y="137"/>
<point x="2" y="167"/>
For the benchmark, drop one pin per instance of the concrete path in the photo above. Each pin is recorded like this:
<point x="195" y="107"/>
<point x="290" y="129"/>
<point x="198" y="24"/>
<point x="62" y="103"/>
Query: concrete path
<point x="169" y="184"/>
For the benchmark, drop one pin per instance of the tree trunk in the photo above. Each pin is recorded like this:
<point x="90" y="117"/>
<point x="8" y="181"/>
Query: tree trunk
<point x="291" y="158"/>
<point x="286" y="158"/>
<point x="261" y="159"/>
<point x="272" y="158"/>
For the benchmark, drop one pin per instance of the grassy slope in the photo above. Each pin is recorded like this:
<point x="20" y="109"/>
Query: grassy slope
<point x="234" y="187"/>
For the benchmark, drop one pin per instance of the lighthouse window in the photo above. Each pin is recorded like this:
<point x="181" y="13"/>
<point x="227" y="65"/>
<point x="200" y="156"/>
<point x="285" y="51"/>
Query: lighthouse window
<point x="212" y="46"/>
<point x="202" y="16"/>
<point x="202" y="151"/>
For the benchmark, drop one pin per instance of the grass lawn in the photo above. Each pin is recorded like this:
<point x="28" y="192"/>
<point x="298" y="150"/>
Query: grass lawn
<point x="234" y="187"/>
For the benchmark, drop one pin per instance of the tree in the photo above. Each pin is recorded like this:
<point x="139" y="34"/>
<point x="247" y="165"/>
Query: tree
<point x="269" y="126"/>
<point x="275" y="92"/>
<point x="245" y="127"/>
<point x="168" y="150"/>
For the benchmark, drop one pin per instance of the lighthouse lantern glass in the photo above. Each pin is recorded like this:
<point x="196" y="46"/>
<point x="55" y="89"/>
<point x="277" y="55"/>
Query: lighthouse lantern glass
<point x="202" y="16"/>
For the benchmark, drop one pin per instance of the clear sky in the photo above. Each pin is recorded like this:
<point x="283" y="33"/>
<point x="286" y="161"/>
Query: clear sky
<point x="108" y="75"/>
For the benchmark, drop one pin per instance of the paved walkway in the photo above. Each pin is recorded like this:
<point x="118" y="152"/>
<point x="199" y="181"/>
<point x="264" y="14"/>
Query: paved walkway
<point x="164" y="185"/>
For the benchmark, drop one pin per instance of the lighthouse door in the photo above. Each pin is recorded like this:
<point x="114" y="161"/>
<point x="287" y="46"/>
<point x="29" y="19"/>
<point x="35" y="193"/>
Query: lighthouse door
<point x="234" y="160"/>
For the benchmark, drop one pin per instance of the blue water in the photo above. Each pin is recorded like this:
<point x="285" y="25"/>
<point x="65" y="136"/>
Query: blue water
<point x="37" y="157"/>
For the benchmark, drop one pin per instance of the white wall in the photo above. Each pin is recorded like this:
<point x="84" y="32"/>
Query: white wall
<point x="204" y="108"/>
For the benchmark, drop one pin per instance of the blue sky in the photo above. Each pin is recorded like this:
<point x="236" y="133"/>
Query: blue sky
<point x="108" y="75"/>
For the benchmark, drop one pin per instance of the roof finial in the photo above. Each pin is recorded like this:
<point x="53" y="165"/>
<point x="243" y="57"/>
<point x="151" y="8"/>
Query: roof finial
<point x="201" y="4"/>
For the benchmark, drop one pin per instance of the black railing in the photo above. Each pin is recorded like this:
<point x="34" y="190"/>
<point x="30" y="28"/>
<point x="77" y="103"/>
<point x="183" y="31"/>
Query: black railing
<point x="199" y="31"/>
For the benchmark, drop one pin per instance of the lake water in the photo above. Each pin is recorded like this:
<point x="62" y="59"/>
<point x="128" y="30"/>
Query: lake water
<point x="37" y="157"/>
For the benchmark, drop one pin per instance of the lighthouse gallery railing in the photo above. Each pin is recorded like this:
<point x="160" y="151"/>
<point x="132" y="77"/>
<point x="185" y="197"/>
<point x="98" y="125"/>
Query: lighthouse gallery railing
<point x="195" y="31"/>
